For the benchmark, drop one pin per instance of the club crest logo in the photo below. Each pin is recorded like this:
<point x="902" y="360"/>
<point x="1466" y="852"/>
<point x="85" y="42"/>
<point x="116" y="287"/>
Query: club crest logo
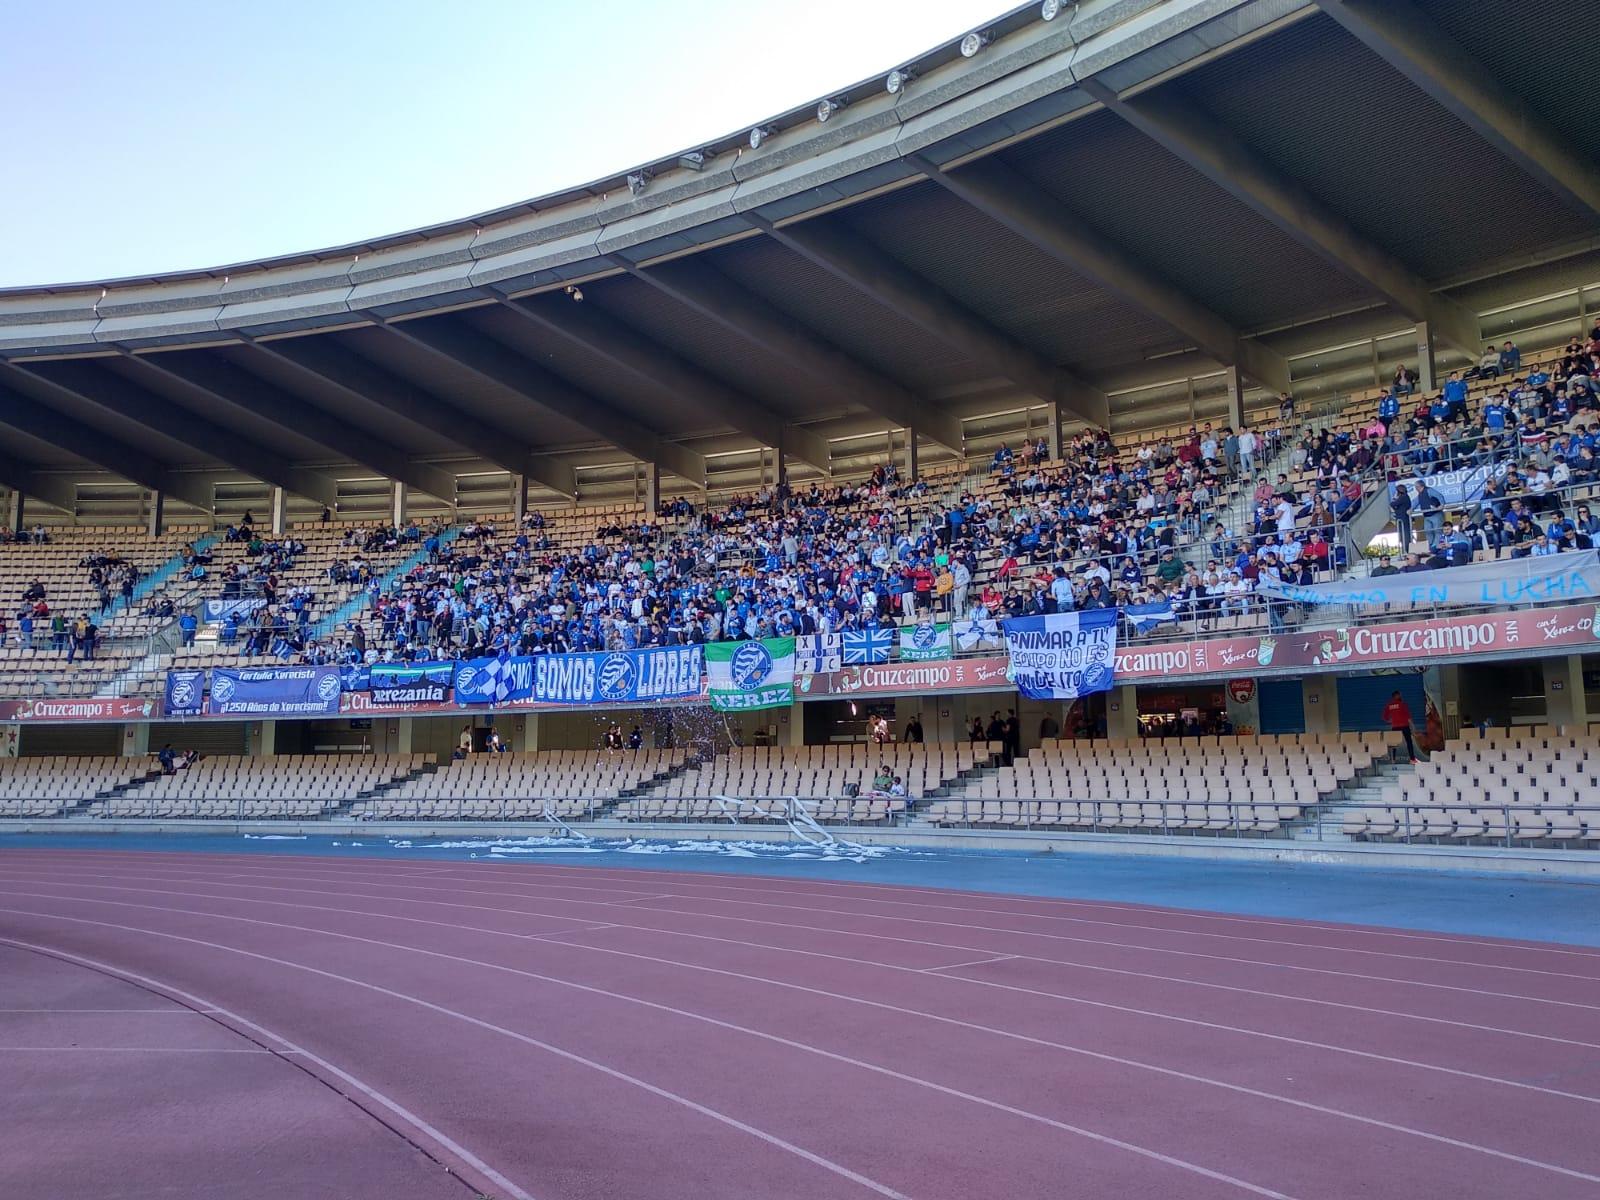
<point x="750" y="666"/>
<point x="617" y="677"/>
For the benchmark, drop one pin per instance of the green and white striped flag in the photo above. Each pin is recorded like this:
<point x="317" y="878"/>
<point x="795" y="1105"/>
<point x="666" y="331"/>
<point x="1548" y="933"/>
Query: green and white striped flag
<point x="748" y="675"/>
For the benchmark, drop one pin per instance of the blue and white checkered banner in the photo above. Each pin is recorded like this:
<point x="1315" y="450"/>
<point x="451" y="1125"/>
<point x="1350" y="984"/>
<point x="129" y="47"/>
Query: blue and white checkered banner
<point x="972" y="634"/>
<point x="493" y="680"/>
<point x="273" y="691"/>
<point x="186" y="691"/>
<point x="620" y="677"/>
<point x="1063" y="655"/>
<point x="355" y="677"/>
<point x="860" y="647"/>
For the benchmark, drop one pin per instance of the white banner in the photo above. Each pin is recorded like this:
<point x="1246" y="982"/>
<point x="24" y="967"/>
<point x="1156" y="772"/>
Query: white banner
<point x="1063" y="655"/>
<point x="1569" y="578"/>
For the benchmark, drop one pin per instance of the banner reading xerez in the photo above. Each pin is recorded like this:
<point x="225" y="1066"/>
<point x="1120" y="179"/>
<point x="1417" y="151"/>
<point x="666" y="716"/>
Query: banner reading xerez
<point x="750" y="675"/>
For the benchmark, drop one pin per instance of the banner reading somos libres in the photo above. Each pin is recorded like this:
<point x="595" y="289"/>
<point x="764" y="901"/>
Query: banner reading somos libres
<point x="749" y="675"/>
<point x="1063" y="655"/>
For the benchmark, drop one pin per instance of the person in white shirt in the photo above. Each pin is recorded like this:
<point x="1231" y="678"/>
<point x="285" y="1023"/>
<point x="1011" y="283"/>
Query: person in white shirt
<point x="1285" y="517"/>
<point x="1247" y="450"/>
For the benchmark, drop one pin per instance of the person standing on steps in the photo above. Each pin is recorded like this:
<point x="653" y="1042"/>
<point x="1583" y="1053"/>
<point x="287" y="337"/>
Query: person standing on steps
<point x="1398" y="715"/>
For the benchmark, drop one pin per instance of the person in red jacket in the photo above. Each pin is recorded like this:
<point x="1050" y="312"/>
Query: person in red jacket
<point x="1398" y="713"/>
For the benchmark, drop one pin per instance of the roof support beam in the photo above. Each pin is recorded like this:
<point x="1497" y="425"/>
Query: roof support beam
<point x="46" y="425"/>
<point x="865" y="267"/>
<point x="1001" y="194"/>
<point x="55" y="490"/>
<point x="605" y="337"/>
<point x="224" y="445"/>
<point x="742" y="312"/>
<point x="1414" y="45"/>
<point x="321" y="361"/>
<point x="234" y="387"/>
<point x="503" y="367"/>
<point x="1214" y="151"/>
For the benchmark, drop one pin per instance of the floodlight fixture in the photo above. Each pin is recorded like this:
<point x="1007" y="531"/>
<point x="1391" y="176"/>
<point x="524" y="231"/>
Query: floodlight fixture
<point x="760" y="134"/>
<point x="638" y="181"/>
<point x="898" y="79"/>
<point x="826" y="108"/>
<point x="973" y="42"/>
<point x="1050" y="10"/>
<point x="575" y="292"/>
<point x="695" y="160"/>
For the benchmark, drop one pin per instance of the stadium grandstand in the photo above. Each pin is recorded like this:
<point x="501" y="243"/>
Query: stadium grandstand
<point x="888" y="376"/>
<point x="698" y="684"/>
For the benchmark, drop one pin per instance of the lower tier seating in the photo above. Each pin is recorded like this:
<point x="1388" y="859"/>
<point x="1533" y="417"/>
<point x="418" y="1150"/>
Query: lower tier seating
<point x="43" y="787"/>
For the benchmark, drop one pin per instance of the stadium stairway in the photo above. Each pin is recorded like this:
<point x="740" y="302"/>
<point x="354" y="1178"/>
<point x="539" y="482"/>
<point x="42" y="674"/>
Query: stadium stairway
<point x="1325" y="820"/>
<point x="362" y="600"/>
<point x="158" y="578"/>
<point x="341" y="811"/>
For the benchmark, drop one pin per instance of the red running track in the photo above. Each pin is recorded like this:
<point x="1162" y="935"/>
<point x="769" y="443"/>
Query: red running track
<point x="425" y="1029"/>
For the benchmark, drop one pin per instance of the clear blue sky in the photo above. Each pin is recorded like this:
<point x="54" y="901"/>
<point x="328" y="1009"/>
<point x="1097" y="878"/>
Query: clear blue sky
<point x="178" y="133"/>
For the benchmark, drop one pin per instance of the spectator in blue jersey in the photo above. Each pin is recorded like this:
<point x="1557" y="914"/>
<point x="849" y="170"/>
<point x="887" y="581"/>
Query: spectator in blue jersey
<point x="1510" y="359"/>
<point x="1389" y="410"/>
<point x="1440" y="411"/>
<point x="188" y="626"/>
<point x="1495" y="414"/>
<point x="1455" y="390"/>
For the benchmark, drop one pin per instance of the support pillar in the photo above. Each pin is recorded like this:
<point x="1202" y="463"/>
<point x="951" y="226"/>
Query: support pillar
<point x="911" y="466"/>
<point x="1054" y="435"/>
<point x="1565" y="702"/>
<point x="14" y="512"/>
<point x="652" y="489"/>
<point x="519" y="497"/>
<point x="1426" y="358"/>
<point x="524" y="733"/>
<point x="154" y="518"/>
<point x="397" y="503"/>
<point x="405" y="735"/>
<point x="135" y="740"/>
<point x="1234" y="379"/>
<point x="278" y="511"/>
<point x="1320" y="696"/>
<point x="261" y="738"/>
<point x="1122" y="713"/>
<point x="792" y="726"/>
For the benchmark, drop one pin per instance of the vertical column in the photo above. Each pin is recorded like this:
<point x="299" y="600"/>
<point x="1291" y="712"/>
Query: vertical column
<point x="524" y="732"/>
<point x="154" y="523"/>
<point x="652" y="488"/>
<point x="397" y="503"/>
<point x="1054" y="435"/>
<point x="1234" y="379"/>
<point x="1564" y="700"/>
<point x="1425" y="357"/>
<point x="278" y="511"/>
<point x="792" y="726"/>
<point x="262" y="738"/>
<point x="14" y="511"/>
<point x="405" y="735"/>
<point x="135" y="740"/>
<point x="519" y="497"/>
<point x="1320" y="694"/>
<point x="910" y="472"/>
<point x="1122" y="713"/>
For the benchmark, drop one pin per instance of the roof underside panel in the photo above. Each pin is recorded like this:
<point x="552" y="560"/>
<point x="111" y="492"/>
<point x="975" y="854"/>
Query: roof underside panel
<point x="456" y="383"/>
<point x="1040" y="302"/>
<point x="1545" y="51"/>
<point x="1178" y="224"/>
<point x="165" y="447"/>
<point x="1379" y="150"/>
<point x="850" y="319"/>
<point x="736" y="361"/>
<point x="42" y="454"/>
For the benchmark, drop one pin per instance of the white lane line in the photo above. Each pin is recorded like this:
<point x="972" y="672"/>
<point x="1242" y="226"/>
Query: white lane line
<point x="977" y="962"/>
<point x="1104" y="1139"/>
<point x="127" y="1050"/>
<point x="289" y="1048"/>
<point x="1170" y="1072"/>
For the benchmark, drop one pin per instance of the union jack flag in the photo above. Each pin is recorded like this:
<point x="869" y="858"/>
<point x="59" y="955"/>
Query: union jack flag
<point x="867" y="646"/>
